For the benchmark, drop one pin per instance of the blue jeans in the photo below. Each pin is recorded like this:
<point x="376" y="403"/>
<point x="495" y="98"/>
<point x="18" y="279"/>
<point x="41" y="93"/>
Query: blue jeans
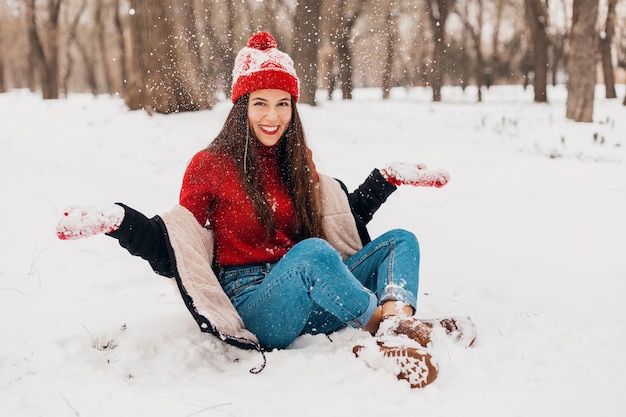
<point x="311" y="290"/>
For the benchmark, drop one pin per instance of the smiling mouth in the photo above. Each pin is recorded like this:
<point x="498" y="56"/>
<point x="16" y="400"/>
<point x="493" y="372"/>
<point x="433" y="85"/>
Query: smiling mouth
<point x="269" y="130"/>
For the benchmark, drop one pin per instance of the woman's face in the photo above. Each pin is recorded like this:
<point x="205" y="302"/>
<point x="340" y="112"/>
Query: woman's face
<point x="269" y="114"/>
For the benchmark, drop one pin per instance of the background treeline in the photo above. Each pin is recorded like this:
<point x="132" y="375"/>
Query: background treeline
<point x="177" y="55"/>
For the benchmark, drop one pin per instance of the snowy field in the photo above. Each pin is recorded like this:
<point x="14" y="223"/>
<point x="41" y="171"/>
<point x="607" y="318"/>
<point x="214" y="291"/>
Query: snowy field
<point x="528" y="238"/>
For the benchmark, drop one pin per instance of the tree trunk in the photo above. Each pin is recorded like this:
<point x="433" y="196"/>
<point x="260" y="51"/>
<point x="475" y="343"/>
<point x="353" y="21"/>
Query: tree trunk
<point x="345" y="62"/>
<point x="438" y="11"/>
<point x="475" y="34"/>
<point x="582" y="61"/>
<point x="3" y="86"/>
<point x="50" y="85"/>
<point x="495" y="61"/>
<point x="206" y="88"/>
<point x="36" y="54"/>
<point x="121" y="44"/>
<point x="89" y="62"/>
<point x="103" y="50"/>
<point x="537" y="19"/>
<point x="480" y="67"/>
<point x="229" y="53"/>
<point x="463" y="64"/>
<point x="558" y="43"/>
<point x="217" y="69"/>
<point x="341" y="36"/>
<point x="605" y="41"/>
<point x="306" y="39"/>
<point x="71" y="39"/>
<point x="391" y="36"/>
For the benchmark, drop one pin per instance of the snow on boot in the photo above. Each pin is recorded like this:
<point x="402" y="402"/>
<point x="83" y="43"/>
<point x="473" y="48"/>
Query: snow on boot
<point x="461" y="330"/>
<point x="404" y="326"/>
<point x="80" y="222"/>
<point x="412" y="364"/>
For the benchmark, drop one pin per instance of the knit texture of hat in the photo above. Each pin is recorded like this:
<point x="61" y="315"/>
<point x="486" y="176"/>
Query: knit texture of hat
<point x="261" y="66"/>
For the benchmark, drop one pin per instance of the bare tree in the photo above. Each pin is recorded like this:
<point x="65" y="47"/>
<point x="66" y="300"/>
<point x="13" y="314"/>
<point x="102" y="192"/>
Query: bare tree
<point x="165" y="77"/>
<point x="45" y="59"/>
<point x="558" y="40"/>
<point x="459" y="50"/>
<point x="344" y="15"/>
<point x="101" y="45"/>
<point x="474" y="29"/>
<point x="228" y="50"/>
<point x="500" y="6"/>
<point x="143" y="46"/>
<point x="327" y="54"/>
<point x="223" y="35"/>
<point x="605" y="41"/>
<point x="515" y="59"/>
<point x="51" y="62"/>
<point x="438" y="12"/>
<point x="419" y="53"/>
<point x="305" y="42"/>
<point x="86" y="49"/>
<point x="537" y="20"/>
<point x="121" y="44"/>
<point x="391" y="35"/>
<point x="72" y="40"/>
<point x="36" y="55"/>
<point x="216" y="48"/>
<point x="582" y="61"/>
<point x="190" y="45"/>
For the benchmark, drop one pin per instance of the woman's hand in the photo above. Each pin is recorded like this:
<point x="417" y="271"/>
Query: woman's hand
<point x="400" y="173"/>
<point x="80" y="222"/>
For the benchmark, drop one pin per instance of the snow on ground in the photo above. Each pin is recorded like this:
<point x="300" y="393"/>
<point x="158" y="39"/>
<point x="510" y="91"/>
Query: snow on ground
<point x="528" y="239"/>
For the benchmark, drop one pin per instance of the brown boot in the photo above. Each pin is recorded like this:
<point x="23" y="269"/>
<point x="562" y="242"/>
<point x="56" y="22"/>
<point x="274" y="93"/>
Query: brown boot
<point x="414" y="365"/>
<point x="461" y="330"/>
<point x="408" y="326"/>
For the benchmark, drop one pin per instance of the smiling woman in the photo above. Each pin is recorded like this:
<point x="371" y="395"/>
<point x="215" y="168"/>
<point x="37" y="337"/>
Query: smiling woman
<point x="265" y="249"/>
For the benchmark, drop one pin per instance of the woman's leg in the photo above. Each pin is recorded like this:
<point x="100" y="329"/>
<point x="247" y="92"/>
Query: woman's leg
<point x="308" y="281"/>
<point x="389" y="266"/>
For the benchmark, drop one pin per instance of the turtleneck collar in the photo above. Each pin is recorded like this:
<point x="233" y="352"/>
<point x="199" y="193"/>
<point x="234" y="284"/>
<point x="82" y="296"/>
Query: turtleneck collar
<point x="266" y="151"/>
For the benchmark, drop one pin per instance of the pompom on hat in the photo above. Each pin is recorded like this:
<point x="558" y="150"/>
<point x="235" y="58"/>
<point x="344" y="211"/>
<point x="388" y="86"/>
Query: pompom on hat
<point x="260" y="65"/>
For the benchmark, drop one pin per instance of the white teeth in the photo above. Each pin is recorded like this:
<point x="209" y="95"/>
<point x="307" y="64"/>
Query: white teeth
<point x="269" y="129"/>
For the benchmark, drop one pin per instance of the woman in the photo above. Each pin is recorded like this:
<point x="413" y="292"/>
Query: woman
<point x="263" y="247"/>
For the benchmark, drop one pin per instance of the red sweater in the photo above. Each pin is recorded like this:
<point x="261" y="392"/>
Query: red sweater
<point x="212" y="192"/>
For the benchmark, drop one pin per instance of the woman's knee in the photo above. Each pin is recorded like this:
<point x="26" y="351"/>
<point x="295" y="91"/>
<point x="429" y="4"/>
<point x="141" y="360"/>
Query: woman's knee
<point x="403" y="236"/>
<point x="315" y="250"/>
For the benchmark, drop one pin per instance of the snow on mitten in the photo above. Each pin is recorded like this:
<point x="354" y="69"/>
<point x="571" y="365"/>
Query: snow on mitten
<point x="80" y="222"/>
<point x="400" y="173"/>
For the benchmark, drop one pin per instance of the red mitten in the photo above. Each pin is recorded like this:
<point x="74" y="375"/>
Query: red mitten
<point x="80" y="222"/>
<point x="399" y="173"/>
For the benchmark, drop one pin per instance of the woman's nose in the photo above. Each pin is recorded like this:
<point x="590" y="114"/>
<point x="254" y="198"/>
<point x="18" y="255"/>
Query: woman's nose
<point x="272" y="113"/>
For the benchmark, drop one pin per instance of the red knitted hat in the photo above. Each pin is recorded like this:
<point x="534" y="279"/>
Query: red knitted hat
<point x="261" y="66"/>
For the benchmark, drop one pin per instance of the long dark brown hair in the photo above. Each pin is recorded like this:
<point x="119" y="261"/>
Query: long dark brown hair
<point x="297" y="170"/>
